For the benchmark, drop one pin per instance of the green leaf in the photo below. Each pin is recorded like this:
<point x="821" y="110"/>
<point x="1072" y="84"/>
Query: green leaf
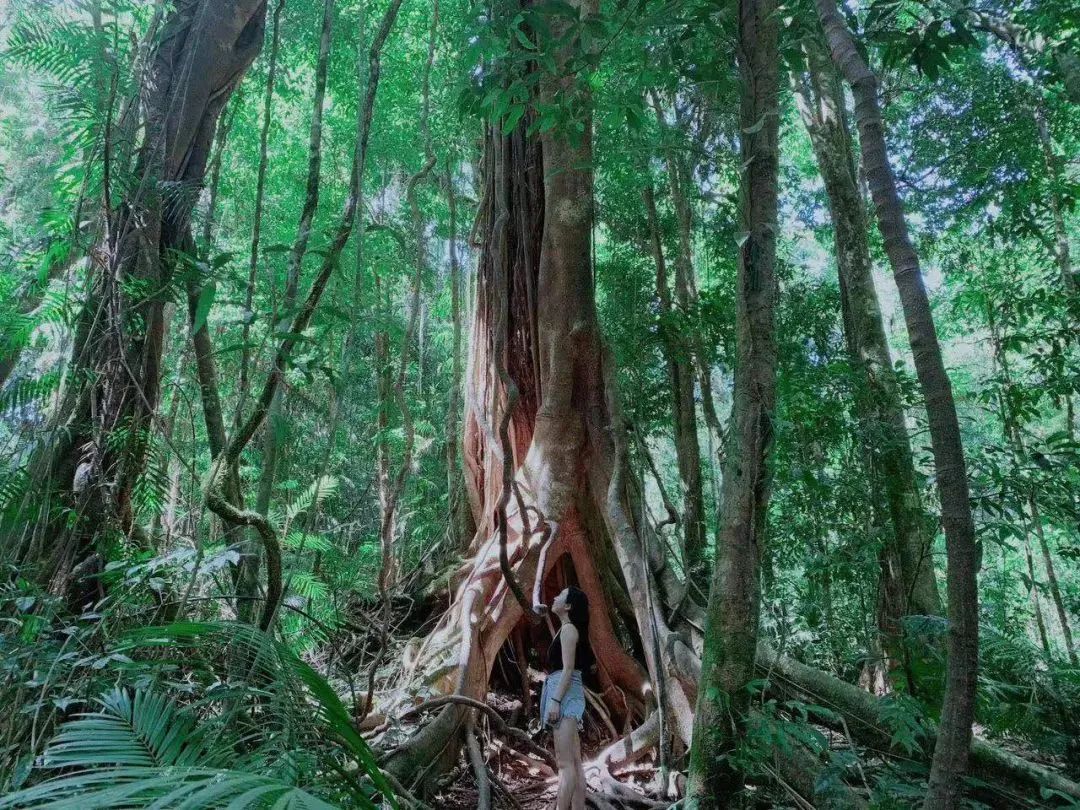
<point x="524" y="40"/>
<point x="512" y="118"/>
<point x="202" y="307"/>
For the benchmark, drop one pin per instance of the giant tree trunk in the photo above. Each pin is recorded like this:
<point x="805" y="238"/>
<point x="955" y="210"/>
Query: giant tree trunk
<point x="732" y="619"/>
<point x="907" y="583"/>
<point x="954" y="738"/>
<point x="540" y="399"/>
<point x="92" y="467"/>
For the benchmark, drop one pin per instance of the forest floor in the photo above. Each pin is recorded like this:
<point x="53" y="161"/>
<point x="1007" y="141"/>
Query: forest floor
<point x="531" y="790"/>
<point x="519" y="782"/>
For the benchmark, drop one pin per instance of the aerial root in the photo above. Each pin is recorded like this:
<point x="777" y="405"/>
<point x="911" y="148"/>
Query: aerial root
<point x="479" y="765"/>
<point x="634" y="745"/>
<point x="515" y="736"/>
<point x="403" y="794"/>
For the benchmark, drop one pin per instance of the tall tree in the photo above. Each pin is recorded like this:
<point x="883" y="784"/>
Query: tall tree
<point x="954" y="737"/>
<point x="216" y="488"/>
<point x="276" y="433"/>
<point x="545" y="447"/>
<point x="107" y="417"/>
<point x="731" y="628"/>
<point x="680" y="360"/>
<point x="681" y="348"/>
<point x="907" y="582"/>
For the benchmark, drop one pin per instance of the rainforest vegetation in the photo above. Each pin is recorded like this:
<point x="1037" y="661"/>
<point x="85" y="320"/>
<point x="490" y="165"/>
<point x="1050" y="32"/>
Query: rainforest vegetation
<point x="337" y="337"/>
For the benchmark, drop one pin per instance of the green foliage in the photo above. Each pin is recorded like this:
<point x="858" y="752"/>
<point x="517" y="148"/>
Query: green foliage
<point x="199" y="741"/>
<point x="204" y="711"/>
<point x="141" y="750"/>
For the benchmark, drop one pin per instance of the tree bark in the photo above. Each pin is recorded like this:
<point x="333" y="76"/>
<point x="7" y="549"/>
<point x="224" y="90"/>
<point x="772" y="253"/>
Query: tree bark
<point x="679" y="358"/>
<point x="275" y="435"/>
<point x="204" y="51"/>
<point x="731" y="626"/>
<point x="908" y="585"/>
<point x="1062" y="254"/>
<point x="954" y="738"/>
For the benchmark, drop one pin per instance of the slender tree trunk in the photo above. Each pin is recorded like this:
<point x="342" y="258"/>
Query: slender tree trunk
<point x="691" y="352"/>
<point x="391" y="388"/>
<point x="205" y="364"/>
<point x="275" y="434"/>
<point x="458" y="508"/>
<point x="1015" y="438"/>
<point x="731" y="626"/>
<point x="954" y="738"/>
<point x="908" y="585"/>
<point x="384" y="388"/>
<point x="1062" y="253"/>
<point x="1036" y="603"/>
<point x="680" y="171"/>
<point x="1052" y="580"/>
<point x="679" y="358"/>
<point x="217" y="499"/>
<point x="244" y="385"/>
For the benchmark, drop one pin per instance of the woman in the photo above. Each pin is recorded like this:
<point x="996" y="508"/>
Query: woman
<point x="562" y="703"/>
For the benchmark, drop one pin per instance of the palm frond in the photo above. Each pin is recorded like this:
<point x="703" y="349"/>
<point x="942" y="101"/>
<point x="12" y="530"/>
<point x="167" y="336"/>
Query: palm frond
<point x="179" y="788"/>
<point x="139" y="730"/>
<point x="297" y="688"/>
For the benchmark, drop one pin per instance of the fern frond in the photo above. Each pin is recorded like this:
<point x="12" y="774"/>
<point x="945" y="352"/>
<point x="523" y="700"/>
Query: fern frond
<point x="312" y="497"/>
<point x="309" y="586"/>
<point x="23" y="393"/>
<point x="308" y="542"/>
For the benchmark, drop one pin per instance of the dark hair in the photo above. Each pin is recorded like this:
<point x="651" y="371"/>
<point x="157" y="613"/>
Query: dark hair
<point x="577" y="602"/>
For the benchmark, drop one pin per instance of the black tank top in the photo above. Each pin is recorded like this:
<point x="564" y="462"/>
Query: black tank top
<point x="583" y="658"/>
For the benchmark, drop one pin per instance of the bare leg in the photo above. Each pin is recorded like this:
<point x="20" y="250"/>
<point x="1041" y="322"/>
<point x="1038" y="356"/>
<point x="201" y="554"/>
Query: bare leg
<point x="565" y="745"/>
<point x="578" y="798"/>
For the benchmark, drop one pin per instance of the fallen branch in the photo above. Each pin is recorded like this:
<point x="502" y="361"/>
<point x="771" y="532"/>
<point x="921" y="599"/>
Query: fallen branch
<point x="869" y="726"/>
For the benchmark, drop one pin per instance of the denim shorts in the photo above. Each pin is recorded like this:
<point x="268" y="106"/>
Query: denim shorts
<point x="573" y="702"/>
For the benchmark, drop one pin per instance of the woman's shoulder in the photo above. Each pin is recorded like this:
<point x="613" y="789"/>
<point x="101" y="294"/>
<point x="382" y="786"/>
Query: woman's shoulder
<point x="570" y="631"/>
